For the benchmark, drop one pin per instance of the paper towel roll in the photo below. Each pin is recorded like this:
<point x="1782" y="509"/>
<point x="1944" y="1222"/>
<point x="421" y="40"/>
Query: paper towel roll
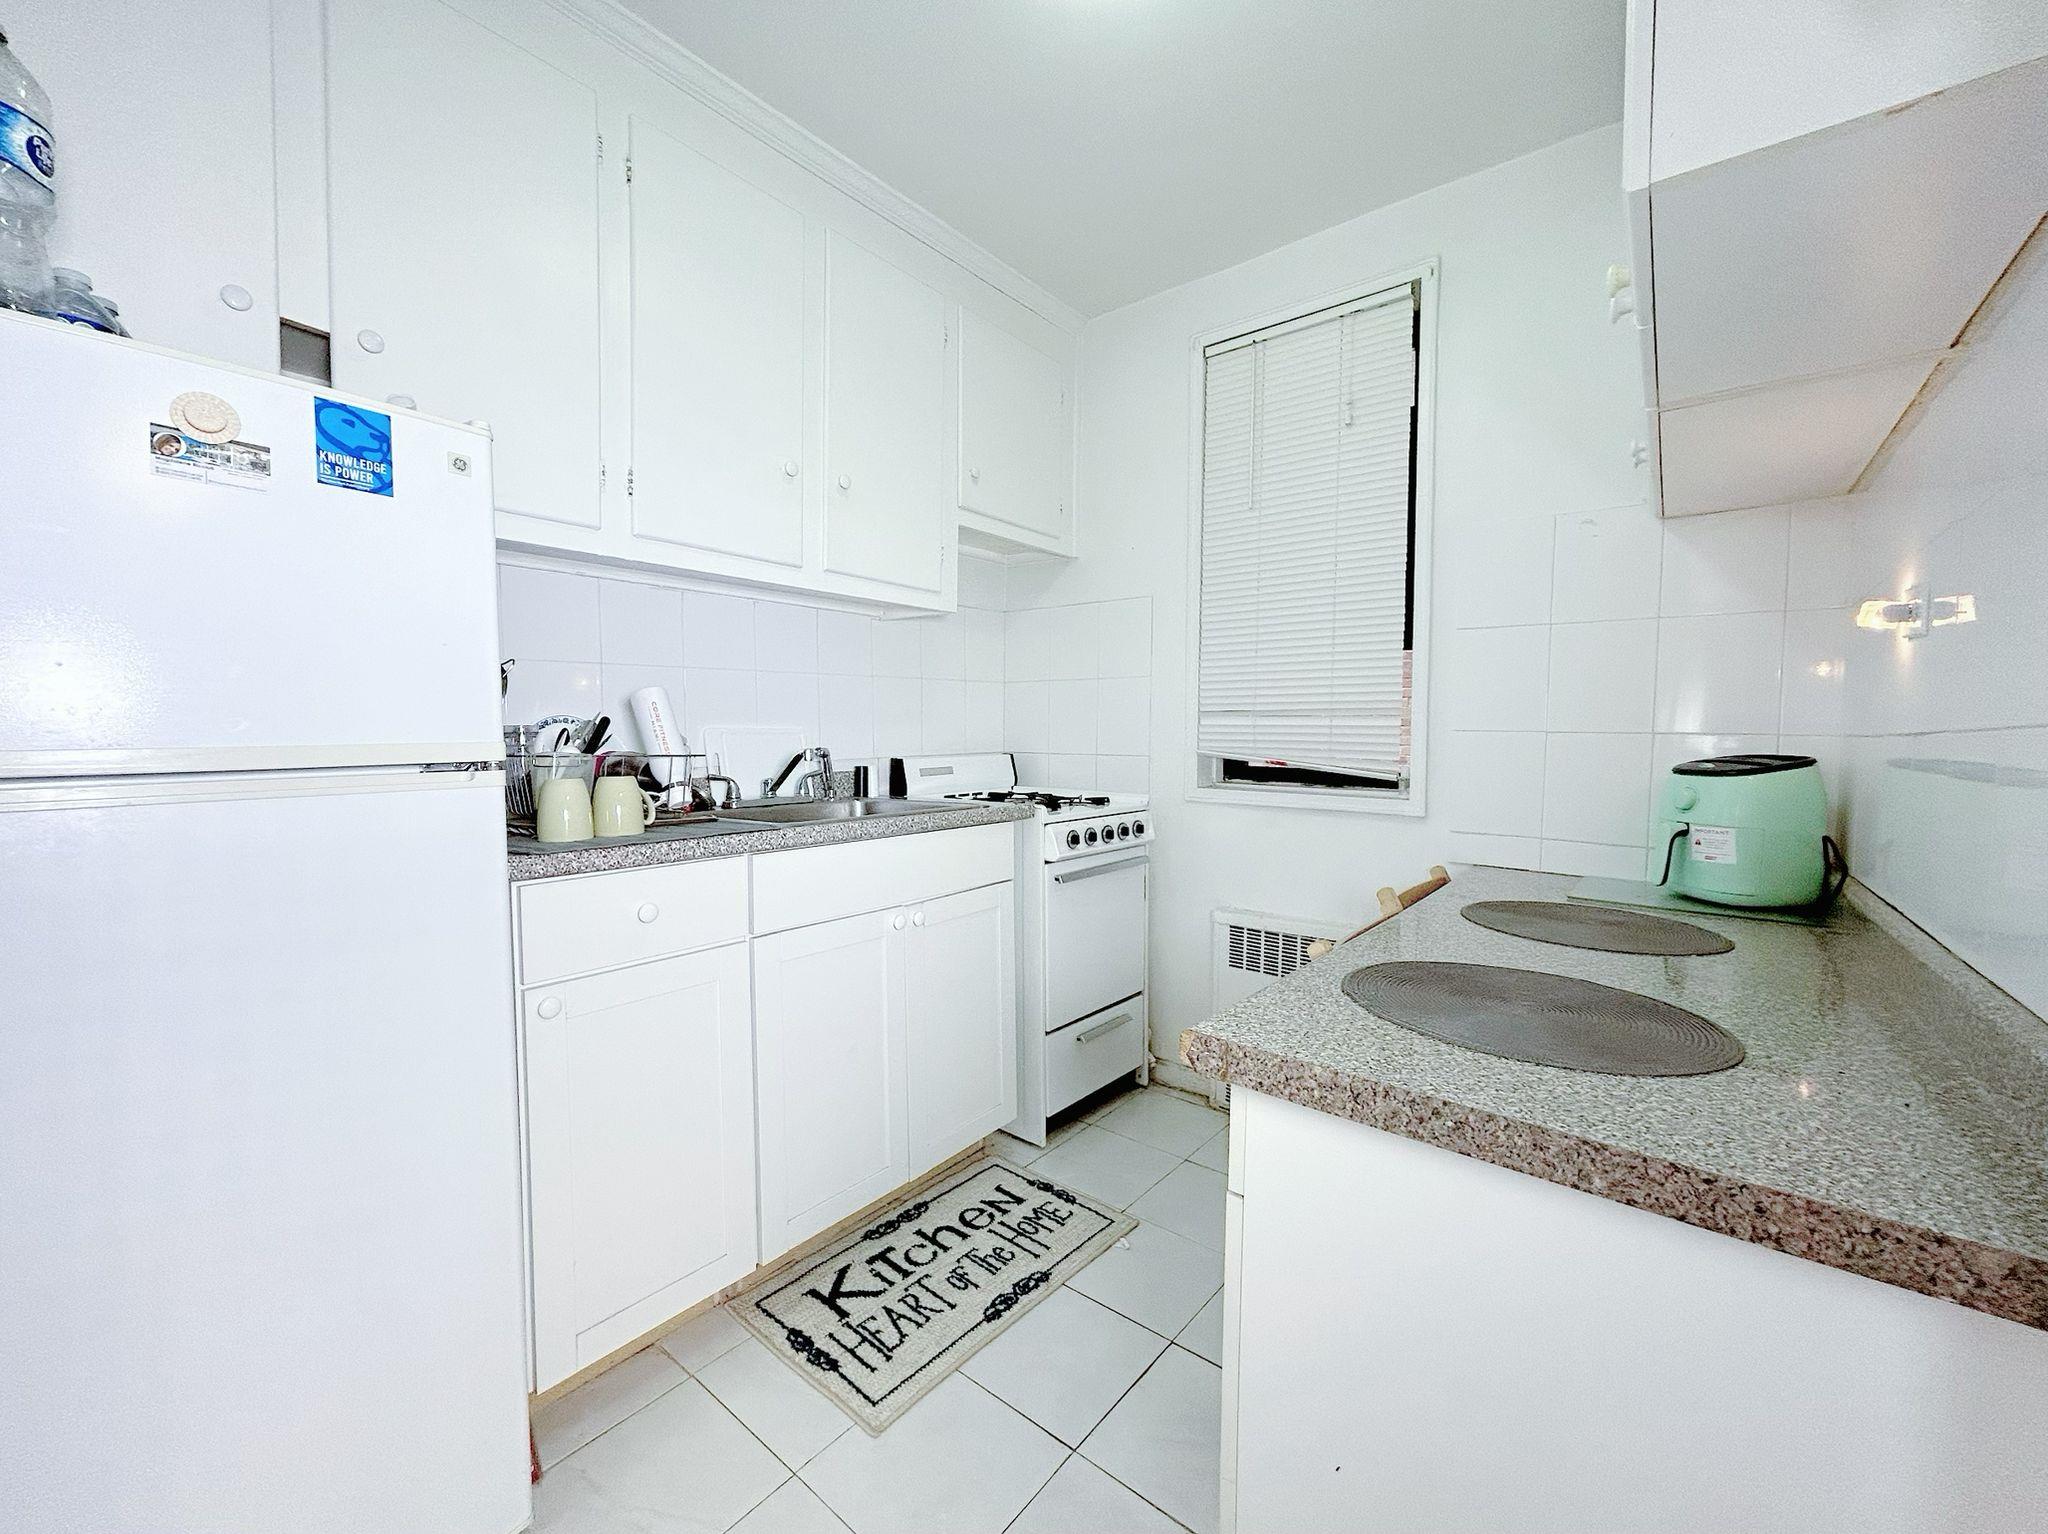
<point x="661" y="730"/>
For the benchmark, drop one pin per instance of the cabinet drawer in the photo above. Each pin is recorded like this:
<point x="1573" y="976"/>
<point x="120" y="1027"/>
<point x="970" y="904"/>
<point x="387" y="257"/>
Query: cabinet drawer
<point x="1094" y="1052"/>
<point x="798" y="889"/>
<point x="570" y="926"/>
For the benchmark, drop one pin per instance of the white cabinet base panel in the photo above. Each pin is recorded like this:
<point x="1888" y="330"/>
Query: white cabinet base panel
<point x="1424" y="1343"/>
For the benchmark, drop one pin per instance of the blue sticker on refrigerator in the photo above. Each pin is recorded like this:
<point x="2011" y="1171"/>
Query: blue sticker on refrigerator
<point x="351" y="446"/>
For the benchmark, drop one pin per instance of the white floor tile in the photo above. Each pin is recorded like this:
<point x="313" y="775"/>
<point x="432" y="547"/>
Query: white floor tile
<point x="1018" y="1152"/>
<point x="1156" y="1278"/>
<point x="1165" y="1439"/>
<point x="1189" y="1202"/>
<point x="683" y="1465"/>
<point x="1164" y="1121"/>
<point x="696" y="1342"/>
<point x="959" y="1461"/>
<point x="777" y="1407"/>
<point x="1066" y="1363"/>
<point x="1106" y="1165"/>
<point x="793" y="1508"/>
<point x="1215" y="1154"/>
<point x="1082" y="1500"/>
<point x="1204" y="1334"/>
<point x="569" y="1422"/>
<point x="1115" y="1100"/>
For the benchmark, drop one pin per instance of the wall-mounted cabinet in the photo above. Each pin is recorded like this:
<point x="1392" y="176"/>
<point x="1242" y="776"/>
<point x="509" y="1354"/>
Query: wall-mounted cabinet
<point x="1818" y="208"/>
<point x="466" y="234"/>
<point x="1016" y="441"/>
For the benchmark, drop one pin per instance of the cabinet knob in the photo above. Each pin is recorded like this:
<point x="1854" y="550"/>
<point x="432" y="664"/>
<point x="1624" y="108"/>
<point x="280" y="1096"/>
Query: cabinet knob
<point x="846" y="482"/>
<point x="975" y="475"/>
<point x="896" y="921"/>
<point x="917" y="918"/>
<point x="370" y="341"/>
<point x="648" y="912"/>
<point x="550" y="1006"/>
<point x="789" y="468"/>
<point x="237" y="298"/>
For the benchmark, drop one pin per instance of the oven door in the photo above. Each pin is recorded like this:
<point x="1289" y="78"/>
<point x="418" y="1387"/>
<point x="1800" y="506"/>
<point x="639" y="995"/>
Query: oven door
<point x="1095" y="933"/>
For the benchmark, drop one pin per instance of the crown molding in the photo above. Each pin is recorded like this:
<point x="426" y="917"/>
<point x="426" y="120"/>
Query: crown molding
<point x="666" y="57"/>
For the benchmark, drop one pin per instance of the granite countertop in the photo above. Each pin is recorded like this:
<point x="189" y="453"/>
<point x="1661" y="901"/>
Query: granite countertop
<point x="529" y="863"/>
<point x="1891" y="1117"/>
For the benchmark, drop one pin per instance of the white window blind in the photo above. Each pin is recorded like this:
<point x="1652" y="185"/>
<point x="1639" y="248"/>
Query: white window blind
<point x="1306" y="466"/>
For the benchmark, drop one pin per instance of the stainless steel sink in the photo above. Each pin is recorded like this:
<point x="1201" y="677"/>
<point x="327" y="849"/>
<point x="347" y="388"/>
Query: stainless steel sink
<point x="809" y="811"/>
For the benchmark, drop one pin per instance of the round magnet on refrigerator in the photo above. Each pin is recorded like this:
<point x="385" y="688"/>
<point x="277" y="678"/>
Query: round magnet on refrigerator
<point x="205" y="417"/>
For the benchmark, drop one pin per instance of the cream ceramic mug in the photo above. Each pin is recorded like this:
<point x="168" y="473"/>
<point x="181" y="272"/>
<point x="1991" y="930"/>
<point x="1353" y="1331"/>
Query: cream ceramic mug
<point x="619" y="806"/>
<point x="561" y="810"/>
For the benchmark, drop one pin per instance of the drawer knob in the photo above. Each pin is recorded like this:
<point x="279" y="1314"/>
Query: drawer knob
<point x="846" y="482"/>
<point x="550" y="1006"/>
<point x="370" y="341"/>
<point x="917" y="918"/>
<point x="896" y="921"/>
<point x="789" y="468"/>
<point x="648" y="912"/>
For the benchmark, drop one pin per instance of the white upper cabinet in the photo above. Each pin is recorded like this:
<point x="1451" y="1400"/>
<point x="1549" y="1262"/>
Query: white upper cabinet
<point x="717" y="356"/>
<point x="464" y="214"/>
<point x="1820" y="200"/>
<point x="886" y="511"/>
<point x="1014" y="437"/>
<point x="165" y="189"/>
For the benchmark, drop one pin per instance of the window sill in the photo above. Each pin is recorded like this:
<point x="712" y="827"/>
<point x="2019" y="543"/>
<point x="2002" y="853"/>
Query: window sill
<point x="1348" y="801"/>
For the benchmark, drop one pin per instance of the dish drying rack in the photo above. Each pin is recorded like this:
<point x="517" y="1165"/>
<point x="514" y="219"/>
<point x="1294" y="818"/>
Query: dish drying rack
<point x="693" y="766"/>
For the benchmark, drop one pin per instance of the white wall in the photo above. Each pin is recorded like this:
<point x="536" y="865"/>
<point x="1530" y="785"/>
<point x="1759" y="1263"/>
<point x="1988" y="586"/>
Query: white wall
<point x="1948" y="779"/>
<point x="1580" y="644"/>
<point x="863" y="687"/>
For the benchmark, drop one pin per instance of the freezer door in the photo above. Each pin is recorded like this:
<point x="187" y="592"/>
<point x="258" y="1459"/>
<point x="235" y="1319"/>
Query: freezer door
<point x="160" y="616"/>
<point x="260" y="1259"/>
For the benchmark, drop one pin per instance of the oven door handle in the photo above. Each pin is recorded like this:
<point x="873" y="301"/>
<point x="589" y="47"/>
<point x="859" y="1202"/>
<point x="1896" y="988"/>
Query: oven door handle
<point x="1074" y="875"/>
<point x="1089" y="1035"/>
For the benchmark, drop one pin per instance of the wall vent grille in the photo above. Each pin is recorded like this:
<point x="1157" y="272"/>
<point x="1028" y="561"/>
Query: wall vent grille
<point x="1251" y="949"/>
<point x="1261" y="951"/>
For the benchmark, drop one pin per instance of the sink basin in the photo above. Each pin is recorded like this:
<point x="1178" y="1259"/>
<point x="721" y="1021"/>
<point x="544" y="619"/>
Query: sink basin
<point x="810" y="811"/>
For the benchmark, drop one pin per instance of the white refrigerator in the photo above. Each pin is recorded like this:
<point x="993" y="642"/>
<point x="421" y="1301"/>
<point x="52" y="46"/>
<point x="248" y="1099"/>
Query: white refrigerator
<point x="260" y="1255"/>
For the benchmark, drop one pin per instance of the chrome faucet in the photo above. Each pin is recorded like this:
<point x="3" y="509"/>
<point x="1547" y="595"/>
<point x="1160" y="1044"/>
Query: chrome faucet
<point x="815" y="784"/>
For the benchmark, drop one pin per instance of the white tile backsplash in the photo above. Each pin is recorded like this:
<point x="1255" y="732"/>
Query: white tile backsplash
<point x="1603" y="676"/>
<point x="1596" y="788"/>
<point x="1720" y="674"/>
<point x="1073" y="716"/>
<point x="1731" y="562"/>
<point x="1607" y="565"/>
<point x="1074" y="641"/>
<point x="1495" y="678"/>
<point x="865" y="687"/>
<point x="1491" y="781"/>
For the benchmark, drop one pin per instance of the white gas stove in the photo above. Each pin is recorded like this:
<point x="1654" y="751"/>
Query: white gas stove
<point x="1082" y="916"/>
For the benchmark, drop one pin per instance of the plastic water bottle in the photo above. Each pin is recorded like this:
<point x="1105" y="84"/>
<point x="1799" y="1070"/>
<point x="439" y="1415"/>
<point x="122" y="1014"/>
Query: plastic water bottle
<point x="28" y="186"/>
<point x="73" y="301"/>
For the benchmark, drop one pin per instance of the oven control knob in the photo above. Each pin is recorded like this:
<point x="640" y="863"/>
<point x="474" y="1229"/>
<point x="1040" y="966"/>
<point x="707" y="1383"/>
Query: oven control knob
<point x="1073" y="838"/>
<point x="1092" y="837"/>
<point x="1123" y="831"/>
<point x="1137" y="828"/>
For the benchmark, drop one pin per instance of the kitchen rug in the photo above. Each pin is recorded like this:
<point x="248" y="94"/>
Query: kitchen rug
<point x="879" y="1319"/>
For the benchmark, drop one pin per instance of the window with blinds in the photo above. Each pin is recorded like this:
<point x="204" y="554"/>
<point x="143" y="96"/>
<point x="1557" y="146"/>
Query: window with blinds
<point x="1307" y="535"/>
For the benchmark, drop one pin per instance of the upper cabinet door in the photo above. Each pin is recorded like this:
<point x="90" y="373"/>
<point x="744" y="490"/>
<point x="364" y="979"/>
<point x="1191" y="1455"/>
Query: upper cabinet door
<point x="1013" y="430"/>
<point x="463" y="186"/>
<point x="886" y="509"/>
<point x="718" y="356"/>
<point x="166" y="194"/>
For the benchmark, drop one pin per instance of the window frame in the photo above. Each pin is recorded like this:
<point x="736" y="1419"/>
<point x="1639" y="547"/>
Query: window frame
<point x="1197" y="786"/>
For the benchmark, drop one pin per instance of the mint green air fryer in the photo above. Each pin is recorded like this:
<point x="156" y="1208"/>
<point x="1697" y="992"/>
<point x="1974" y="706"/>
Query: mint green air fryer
<point x="1747" y="831"/>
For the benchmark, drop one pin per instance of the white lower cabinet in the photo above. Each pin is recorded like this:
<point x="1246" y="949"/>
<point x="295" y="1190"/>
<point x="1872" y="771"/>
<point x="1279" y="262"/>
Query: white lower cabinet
<point x="960" y="1019"/>
<point x="640" y="1149"/>
<point x="829" y="1039"/>
<point x="691" y="1115"/>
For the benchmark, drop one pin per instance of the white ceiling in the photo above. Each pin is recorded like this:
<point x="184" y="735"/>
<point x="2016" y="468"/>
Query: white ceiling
<point x="1109" y="149"/>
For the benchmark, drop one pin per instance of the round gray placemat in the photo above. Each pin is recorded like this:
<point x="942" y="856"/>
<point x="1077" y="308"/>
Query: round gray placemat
<point x="1592" y="926"/>
<point x="1525" y="1014"/>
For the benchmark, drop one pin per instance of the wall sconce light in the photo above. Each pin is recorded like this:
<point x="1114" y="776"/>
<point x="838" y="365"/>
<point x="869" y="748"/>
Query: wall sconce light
<point x="1915" y="614"/>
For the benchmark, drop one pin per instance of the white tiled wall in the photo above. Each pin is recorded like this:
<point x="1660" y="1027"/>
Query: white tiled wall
<point x="1078" y="694"/>
<point x="864" y="687"/>
<point x="1948" y="766"/>
<point x="1611" y="645"/>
